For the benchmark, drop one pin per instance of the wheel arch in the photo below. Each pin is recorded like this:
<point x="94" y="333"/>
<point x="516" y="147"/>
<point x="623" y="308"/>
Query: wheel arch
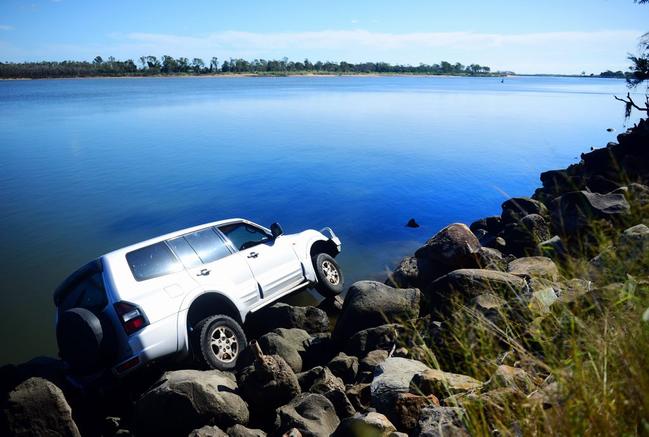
<point x="209" y="304"/>
<point x="323" y="246"/>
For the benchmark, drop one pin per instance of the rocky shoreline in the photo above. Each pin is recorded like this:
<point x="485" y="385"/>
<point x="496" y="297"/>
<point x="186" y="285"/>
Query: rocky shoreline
<point x="385" y="367"/>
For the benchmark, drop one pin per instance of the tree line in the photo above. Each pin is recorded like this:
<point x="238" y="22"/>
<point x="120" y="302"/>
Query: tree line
<point x="168" y="65"/>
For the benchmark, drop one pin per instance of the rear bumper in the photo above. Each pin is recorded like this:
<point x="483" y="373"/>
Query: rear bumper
<point x="155" y="341"/>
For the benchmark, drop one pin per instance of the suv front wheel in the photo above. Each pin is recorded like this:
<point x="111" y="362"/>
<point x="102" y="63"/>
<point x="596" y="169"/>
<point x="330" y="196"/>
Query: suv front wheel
<point x="220" y="340"/>
<point x="330" y="276"/>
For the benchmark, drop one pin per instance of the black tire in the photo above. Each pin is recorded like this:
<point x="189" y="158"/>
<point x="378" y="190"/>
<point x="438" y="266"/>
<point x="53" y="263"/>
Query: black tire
<point x="232" y="340"/>
<point x="330" y="277"/>
<point x="80" y="337"/>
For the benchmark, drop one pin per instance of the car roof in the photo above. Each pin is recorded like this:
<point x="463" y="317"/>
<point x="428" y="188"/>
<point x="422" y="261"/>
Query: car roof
<point x="124" y="250"/>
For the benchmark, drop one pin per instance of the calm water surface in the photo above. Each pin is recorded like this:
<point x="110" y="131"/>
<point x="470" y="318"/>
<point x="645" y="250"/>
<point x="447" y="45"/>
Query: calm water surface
<point x="92" y="165"/>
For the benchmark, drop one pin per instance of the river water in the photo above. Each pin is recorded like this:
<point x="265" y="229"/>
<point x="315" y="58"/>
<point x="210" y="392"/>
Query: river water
<point x="95" y="164"/>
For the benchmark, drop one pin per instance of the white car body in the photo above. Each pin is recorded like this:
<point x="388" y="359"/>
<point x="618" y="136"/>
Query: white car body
<point x="236" y="284"/>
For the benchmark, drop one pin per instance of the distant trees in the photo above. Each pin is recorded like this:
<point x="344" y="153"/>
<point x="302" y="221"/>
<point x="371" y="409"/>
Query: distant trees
<point x="638" y="73"/>
<point x="166" y="65"/>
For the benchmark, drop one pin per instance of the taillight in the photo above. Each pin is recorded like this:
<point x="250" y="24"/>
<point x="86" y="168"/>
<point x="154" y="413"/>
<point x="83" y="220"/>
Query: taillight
<point x="131" y="317"/>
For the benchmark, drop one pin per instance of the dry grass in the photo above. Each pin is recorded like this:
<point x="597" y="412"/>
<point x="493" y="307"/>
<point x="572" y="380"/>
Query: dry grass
<point x="588" y="358"/>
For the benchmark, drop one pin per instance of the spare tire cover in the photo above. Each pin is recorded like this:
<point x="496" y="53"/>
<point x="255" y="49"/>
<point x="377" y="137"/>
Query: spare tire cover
<point x="79" y="336"/>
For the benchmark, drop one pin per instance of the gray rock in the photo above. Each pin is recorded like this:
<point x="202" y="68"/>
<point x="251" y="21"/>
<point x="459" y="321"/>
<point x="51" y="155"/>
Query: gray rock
<point x="552" y="247"/>
<point x="393" y="376"/>
<point x="634" y="241"/>
<point x="288" y="344"/>
<point x="442" y="422"/>
<point x="242" y="431"/>
<point x="470" y="283"/>
<point x="281" y="315"/>
<point x="511" y="377"/>
<point x="372" y="360"/>
<point x="573" y="212"/>
<point x="313" y="415"/>
<point x="268" y="384"/>
<point x="320" y="380"/>
<point x="414" y="272"/>
<point x="208" y="431"/>
<point x="369" y="304"/>
<point x="442" y="384"/>
<point x="184" y="400"/>
<point x="379" y="337"/>
<point x="518" y="207"/>
<point x="524" y="235"/>
<point x="360" y="395"/>
<point x="544" y="293"/>
<point x="370" y="424"/>
<point x="452" y="247"/>
<point x="489" y="258"/>
<point x="331" y="305"/>
<point x="344" y="366"/>
<point x="407" y="408"/>
<point x="534" y="267"/>
<point x="37" y="407"/>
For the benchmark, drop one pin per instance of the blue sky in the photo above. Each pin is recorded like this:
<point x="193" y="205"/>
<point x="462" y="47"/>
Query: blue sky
<point x="544" y="36"/>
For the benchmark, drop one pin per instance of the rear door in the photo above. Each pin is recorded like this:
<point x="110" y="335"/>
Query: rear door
<point x="212" y="264"/>
<point x="273" y="261"/>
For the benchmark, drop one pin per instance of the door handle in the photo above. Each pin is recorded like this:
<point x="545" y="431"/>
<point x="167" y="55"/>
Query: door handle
<point x="203" y="272"/>
<point x="253" y="255"/>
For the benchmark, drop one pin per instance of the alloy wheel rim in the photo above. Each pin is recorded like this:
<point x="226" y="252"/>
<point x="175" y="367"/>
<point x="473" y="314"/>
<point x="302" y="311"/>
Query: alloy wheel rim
<point x="224" y="344"/>
<point x="330" y="272"/>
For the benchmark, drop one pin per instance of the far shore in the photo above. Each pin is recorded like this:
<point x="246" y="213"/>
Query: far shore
<point x="272" y="75"/>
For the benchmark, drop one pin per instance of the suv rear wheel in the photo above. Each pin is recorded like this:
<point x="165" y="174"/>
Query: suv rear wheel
<point x="220" y="340"/>
<point x="330" y="276"/>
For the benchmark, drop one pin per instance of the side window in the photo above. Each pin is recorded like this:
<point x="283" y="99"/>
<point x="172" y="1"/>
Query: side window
<point x="244" y="235"/>
<point x="153" y="261"/>
<point x="184" y="251"/>
<point x="208" y="245"/>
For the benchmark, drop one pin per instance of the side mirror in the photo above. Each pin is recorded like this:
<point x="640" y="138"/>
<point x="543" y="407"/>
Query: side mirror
<point x="276" y="230"/>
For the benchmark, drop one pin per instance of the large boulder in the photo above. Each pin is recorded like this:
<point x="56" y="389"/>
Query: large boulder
<point x="467" y="284"/>
<point x="184" y="400"/>
<point x="289" y="344"/>
<point x="267" y="384"/>
<point x="36" y="407"/>
<point x="393" y="376"/>
<point x="313" y="415"/>
<point x="281" y="315"/>
<point x="369" y="304"/>
<point x="573" y="212"/>
<point x="370" y="424"/>
<point x="518" y="207"/>
<point x="442" y="422"/>
<point x="452" y="247"/>
<point x="534" y="267"/>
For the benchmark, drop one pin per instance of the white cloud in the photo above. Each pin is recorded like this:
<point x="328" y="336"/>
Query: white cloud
<point x="6" y="27"/>
<point x="562" y="52"/>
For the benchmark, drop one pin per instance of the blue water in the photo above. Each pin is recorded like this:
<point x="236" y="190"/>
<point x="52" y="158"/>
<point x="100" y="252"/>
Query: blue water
<point x="92" y="165"/>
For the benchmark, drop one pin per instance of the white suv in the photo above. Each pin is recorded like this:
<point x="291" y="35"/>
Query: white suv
<point x="188" y="291"/>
